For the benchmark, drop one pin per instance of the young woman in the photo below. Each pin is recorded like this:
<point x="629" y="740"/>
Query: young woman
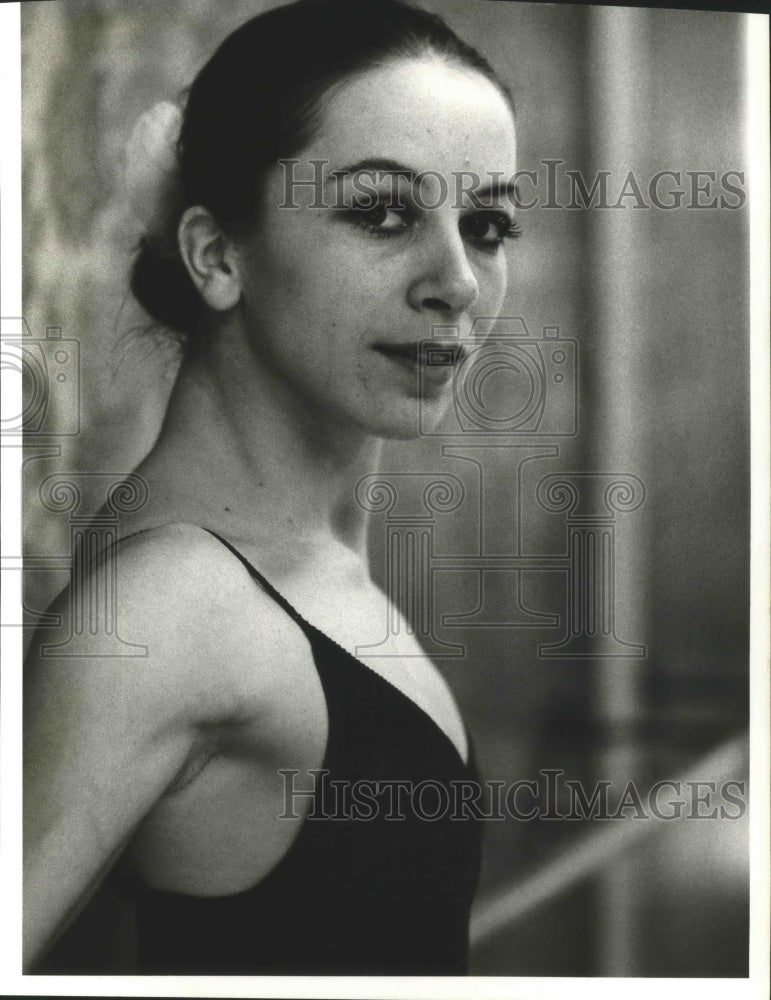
<point x="201" y="776"/>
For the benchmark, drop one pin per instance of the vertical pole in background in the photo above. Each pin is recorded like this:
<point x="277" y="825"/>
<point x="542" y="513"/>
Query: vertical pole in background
<point x="757" y="116"/>
<point x="621" y="60"/>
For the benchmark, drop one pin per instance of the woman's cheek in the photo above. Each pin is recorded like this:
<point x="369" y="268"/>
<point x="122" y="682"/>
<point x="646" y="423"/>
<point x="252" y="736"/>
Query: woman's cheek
<point x="492" y="278"/>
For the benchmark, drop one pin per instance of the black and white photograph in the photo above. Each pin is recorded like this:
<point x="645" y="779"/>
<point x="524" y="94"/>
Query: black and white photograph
<point x="385" y="499"/>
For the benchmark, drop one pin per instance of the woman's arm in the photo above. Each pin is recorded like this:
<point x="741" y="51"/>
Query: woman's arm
<point x="104" y="736"/>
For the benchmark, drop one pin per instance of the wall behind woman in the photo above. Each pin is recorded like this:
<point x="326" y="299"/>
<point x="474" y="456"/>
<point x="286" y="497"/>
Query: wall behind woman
<point x="656" y="301"/>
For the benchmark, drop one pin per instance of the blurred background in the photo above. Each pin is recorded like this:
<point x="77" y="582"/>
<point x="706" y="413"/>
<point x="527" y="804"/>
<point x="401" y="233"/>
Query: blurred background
<point x="656" y="302"/>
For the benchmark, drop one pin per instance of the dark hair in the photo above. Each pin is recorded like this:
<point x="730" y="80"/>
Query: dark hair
<point x="258" y="100"/>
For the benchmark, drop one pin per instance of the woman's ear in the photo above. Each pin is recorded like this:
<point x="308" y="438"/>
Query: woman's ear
<point x="209" y="258"/>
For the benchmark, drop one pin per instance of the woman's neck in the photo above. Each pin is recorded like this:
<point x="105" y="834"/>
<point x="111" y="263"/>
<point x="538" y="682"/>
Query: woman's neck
<point x="239" y="445"/>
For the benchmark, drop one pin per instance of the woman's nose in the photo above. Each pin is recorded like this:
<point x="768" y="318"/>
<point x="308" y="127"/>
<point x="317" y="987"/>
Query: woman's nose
<point x="446" y="283"/>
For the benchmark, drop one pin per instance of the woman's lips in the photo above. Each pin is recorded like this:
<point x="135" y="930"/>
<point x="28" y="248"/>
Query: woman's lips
<point x="434" y="359"/>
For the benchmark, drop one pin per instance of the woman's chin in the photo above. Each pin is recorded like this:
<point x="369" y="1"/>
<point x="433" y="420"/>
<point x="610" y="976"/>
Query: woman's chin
<point x="419" y="421"/>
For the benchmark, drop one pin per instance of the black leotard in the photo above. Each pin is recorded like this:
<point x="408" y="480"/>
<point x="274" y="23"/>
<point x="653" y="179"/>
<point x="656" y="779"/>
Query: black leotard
<point x="377" y="896"/>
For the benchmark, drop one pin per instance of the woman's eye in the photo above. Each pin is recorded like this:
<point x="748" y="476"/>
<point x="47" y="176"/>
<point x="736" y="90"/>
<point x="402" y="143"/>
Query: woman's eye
<point x="381" y="219"/>
<point x="489" y="229"/>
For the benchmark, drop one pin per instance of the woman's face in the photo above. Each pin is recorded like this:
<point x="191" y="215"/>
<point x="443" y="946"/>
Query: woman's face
<point x="337" y="298"/>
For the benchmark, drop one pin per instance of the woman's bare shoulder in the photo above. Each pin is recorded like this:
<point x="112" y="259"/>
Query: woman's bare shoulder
<point x="189" y="618"/>
<point x="183" y="561"/>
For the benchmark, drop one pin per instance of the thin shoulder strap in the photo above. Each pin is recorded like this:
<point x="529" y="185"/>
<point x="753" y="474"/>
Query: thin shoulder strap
<point x="265" y="584"/>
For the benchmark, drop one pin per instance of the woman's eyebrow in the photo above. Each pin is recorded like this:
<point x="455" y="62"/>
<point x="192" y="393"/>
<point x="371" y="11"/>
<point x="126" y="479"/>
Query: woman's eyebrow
<point x="379" y="167"/>
<point x="495" y="189"/>
<point x="374" y="165"/>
